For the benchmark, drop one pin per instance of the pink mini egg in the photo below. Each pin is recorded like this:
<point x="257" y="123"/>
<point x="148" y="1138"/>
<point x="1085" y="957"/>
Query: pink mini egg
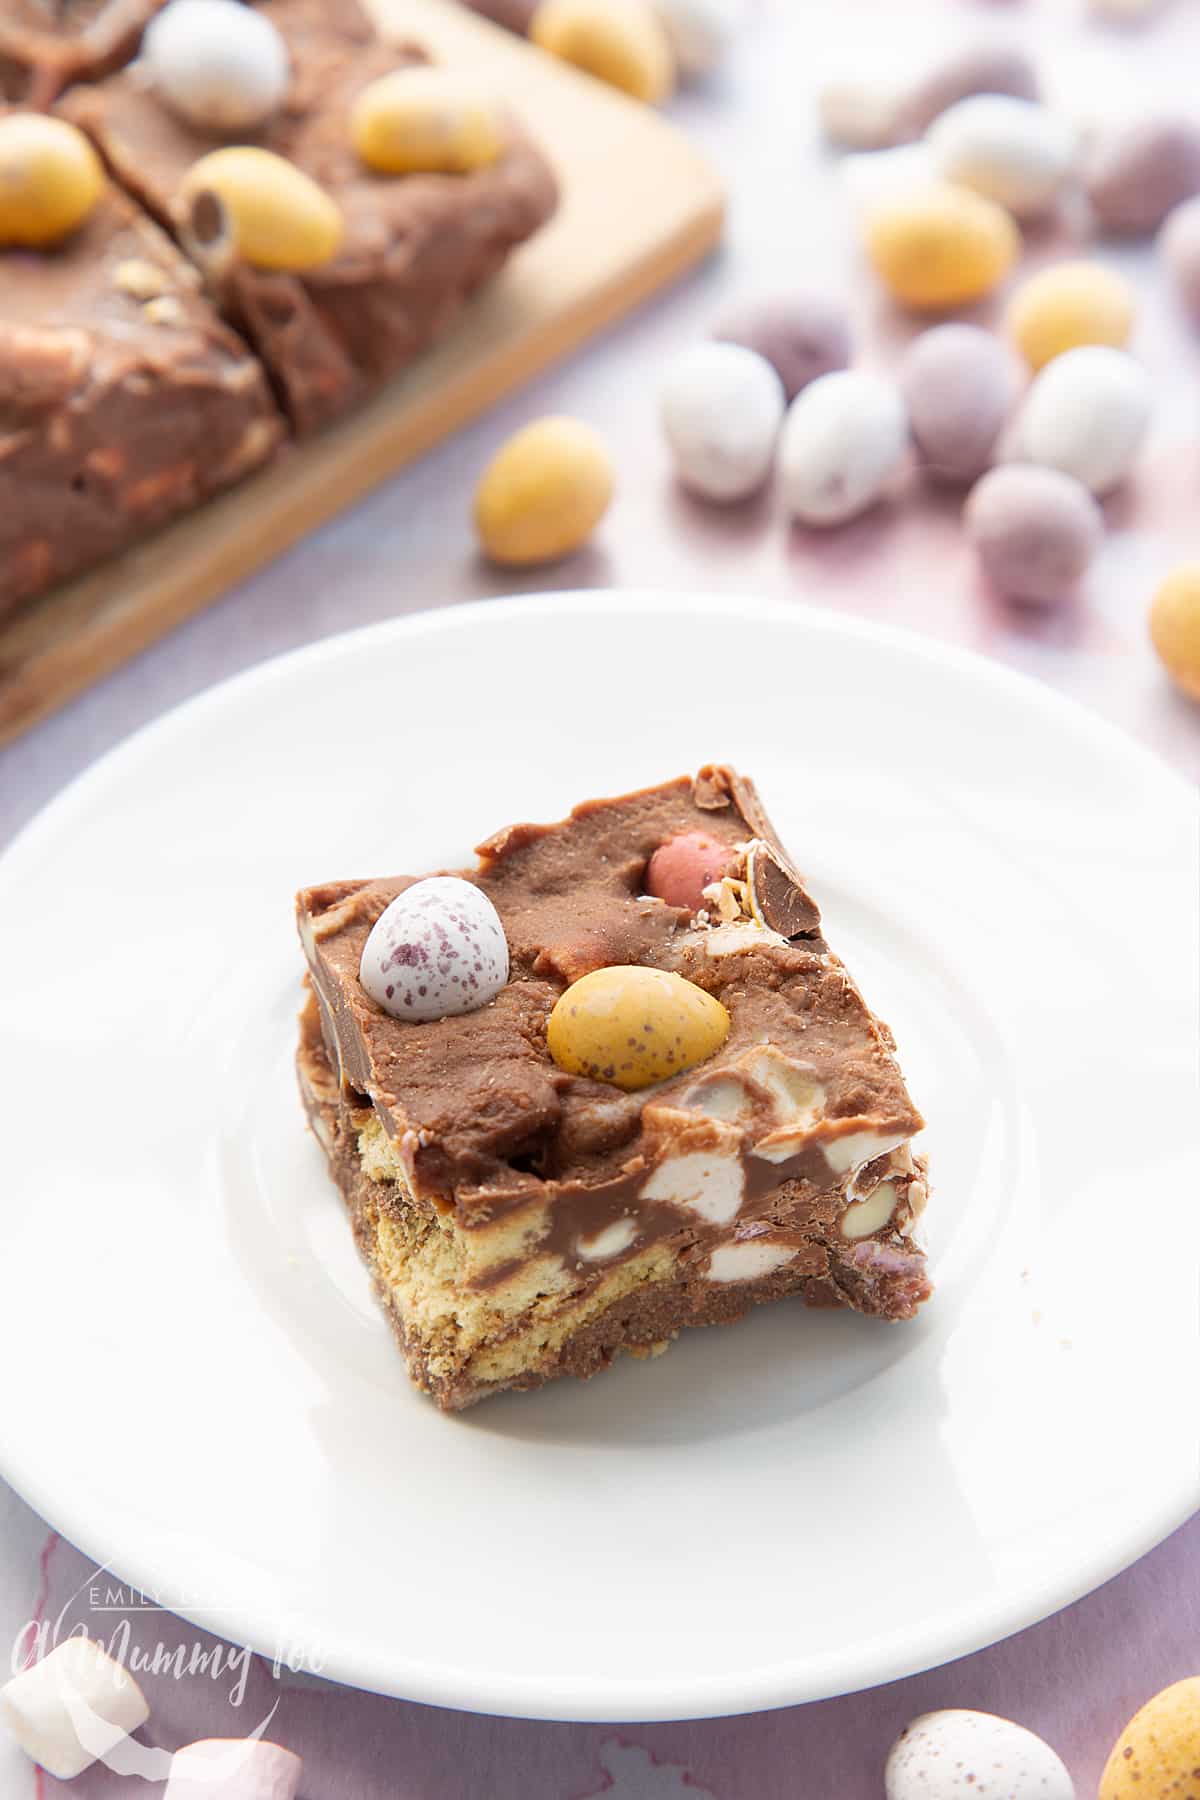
<point x="684" y="866"/>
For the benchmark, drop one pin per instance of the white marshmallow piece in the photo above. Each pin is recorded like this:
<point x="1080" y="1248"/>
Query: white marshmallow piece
<point x="233" y="1769"/>
<point x="748" y="1261"/>
<point x="844" y="438"/>
<point x="701" y="32"/>
<point x="722" y="406"/>
<point x="1016" y="152"/>
<point x="438" y="950"/>
<point x="218" y="64"/>
<point x="1086" y="414"/>
<point x="72" y="1708"/>
<point x="711" y="1185"/>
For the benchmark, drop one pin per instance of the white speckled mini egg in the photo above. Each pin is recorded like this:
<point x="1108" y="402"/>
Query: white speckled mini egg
<point x="722" y="406"/>
<point x="960" y="1755"/>
<point x="439" y="949"/>
<point x="843" y="439"/>
<point x="1014" y="151"/>
<point x="219" y="65"/>
<point x="701" y="32"/>
<point x="1086" y="414"/>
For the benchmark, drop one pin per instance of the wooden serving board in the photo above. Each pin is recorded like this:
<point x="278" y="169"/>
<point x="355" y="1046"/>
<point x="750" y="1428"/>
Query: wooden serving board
<point x="639" y="206"/>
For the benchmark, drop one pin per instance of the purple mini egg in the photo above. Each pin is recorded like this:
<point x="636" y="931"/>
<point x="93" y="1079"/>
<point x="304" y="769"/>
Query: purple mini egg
<point x="980" y="68"/>
<point x="961" y="385"/>
<point x="1179" y="247"/>
<point x="1135" y="175"/>
<point x="514" y="15"/>
<point x="438" y="950"/>
<point x="1035" y="531"/>
<point x="802" y="335"/>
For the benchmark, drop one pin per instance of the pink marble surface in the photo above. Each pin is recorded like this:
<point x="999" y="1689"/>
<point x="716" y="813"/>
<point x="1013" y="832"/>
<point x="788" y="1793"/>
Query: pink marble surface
<point x="1077" y="1676"/>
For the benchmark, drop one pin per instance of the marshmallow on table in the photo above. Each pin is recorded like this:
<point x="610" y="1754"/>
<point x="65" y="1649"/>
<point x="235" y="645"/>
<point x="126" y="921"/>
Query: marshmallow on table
<point x="73" y="1707"/>
<point x="233" y="1769"/>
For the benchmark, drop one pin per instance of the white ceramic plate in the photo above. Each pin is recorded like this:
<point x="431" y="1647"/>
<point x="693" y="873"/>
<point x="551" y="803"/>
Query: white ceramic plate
<point x="197" y="1387"/>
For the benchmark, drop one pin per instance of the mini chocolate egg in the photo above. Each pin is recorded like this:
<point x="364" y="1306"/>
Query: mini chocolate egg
<point x="1035" y="531"/>
<point x="1179" y="247"/>
<point x="217" y="64"/>
<point x="955" y="1754"/>
<point x="940" y="247"/>
<point x="1136" y="173"/>
<point x="1014" y="151"/>
<point x="802" y="335"/>
<point x="960" y="383"/>
<point x="979" y="68"/>
<point x="701" y="32"/>
<point x="543" y="493"/>
<point x="843" y="439"/>
<point x="1069" y="304"/>
<point x="867" y="106"/>
<point x="1086" y="414"/>
<point x="623" y="42"/>
<point x="438" y="950"/>
<point x="247" y="202"/>
<point x="1175" y="633"/>
<point x="634" y="1026"/>
<point x="427" y="120"/>
<point x="722" y="407"/>
<point x="1157" y="1756"/>
<point x="50" y="179"/>
<point x="683" y="866"/>
<point x="860" y="113"/>
<point x="514" y="15"/>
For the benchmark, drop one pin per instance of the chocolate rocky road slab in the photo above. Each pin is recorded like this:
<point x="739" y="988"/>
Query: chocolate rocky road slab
<point x="522" y="1222"/>
<point x="614" y="240"/>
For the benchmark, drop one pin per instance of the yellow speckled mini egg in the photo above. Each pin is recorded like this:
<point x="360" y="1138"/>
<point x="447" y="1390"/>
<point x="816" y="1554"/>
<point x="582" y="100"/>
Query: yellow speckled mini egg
<point x="1069" y="304"/>
<point x="260" y="206"/>
<point x="543" y="493"/>
<point x="1175" y="627"/>
<point x="50" y="179"/>
<point x="940" y="246"/>
<point x="623" y="42"/>
<point x="634" y="1026"/>
<point x="427" y="120"/>
<point x="1157" y="1756"/>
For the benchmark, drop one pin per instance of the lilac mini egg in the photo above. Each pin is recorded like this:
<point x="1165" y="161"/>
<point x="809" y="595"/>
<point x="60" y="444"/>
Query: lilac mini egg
<point x="439" y="949"/>
<point x="802" y="335"/>
<point x="961" y="384"/>
<point x="1135" y="174"/>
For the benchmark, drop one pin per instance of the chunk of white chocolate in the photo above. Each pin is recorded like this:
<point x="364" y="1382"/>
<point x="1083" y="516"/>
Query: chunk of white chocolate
<point x="233" y="1769"/>
<point x="747" y="1261"/>
<point x="700" y="1182"/>
<point x="70" y="1709"/>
